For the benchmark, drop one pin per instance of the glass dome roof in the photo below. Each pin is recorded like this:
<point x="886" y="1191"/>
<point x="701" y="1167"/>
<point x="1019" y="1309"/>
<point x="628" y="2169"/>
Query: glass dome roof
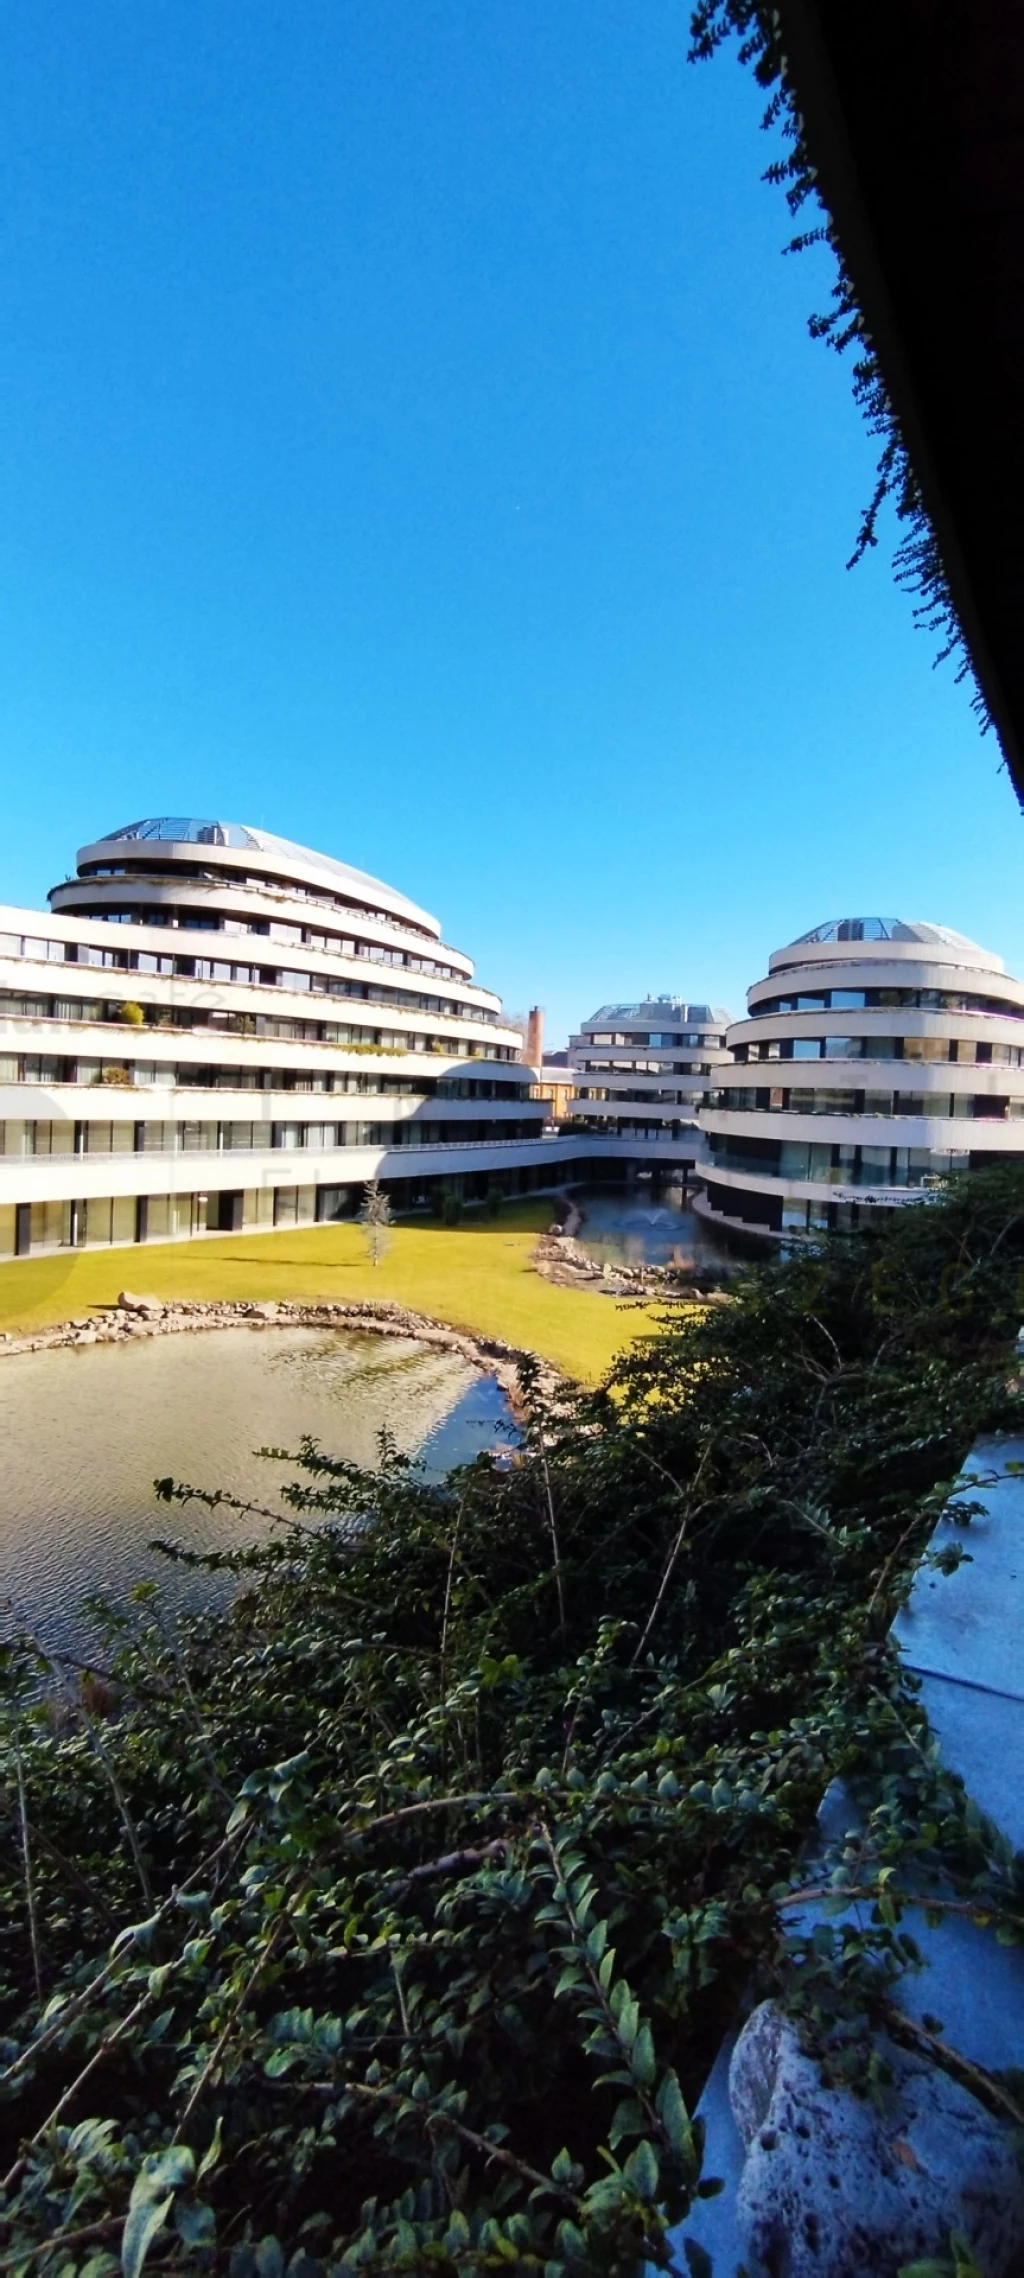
<point x="884" y="929"/>
<point x="653" y="1009"/>
<point x="183" y="830"/>
<point x="192" y="830"/>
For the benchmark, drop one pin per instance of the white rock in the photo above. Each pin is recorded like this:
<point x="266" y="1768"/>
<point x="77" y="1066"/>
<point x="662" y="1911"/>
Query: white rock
<point x="836" y="2187"/>
<point x="131" y="1304"/>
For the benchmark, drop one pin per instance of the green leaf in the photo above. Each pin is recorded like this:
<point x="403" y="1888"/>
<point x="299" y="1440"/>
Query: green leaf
<point x="144" y="2220"/>
<point x="626" y="2013"/>
<point x="641" y="2171"/>
<point x="642" y="2061"/>
<point x="212" y="2153"/>
<point x="168" y="2170"/>
<point x="627" y="2120"/>
<point x="674" y="2116"/>
<point x="149" y="2208"/>
<point x="91" y="2139"/>
<point x="194" y="2223"/>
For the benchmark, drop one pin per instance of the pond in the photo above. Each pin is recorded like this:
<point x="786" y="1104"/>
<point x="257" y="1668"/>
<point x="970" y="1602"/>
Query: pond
<point x="85" y="1433"/>
<point x="648" y="1225"/>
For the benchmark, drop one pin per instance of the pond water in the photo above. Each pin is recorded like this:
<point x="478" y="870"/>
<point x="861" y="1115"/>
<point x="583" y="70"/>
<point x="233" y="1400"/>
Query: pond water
<point x="648" y="1225"/>
<point x="86" y="1432"/>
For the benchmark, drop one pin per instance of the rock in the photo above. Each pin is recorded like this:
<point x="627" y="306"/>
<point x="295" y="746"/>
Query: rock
<point x="835" y="2187"/>
<point x="131" y="1304"/>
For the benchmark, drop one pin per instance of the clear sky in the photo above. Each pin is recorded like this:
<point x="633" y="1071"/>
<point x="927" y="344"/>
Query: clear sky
<point x="410" y="440"/>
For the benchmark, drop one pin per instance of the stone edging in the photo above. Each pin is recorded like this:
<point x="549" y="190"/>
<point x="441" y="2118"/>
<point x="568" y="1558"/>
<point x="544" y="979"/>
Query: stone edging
<point x="560" y="1258"/>
<point x="133" y="1317"/>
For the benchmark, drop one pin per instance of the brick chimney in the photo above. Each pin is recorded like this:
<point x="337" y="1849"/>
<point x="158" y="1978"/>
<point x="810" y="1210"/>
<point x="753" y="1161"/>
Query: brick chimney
<point x="533" y="1050"/>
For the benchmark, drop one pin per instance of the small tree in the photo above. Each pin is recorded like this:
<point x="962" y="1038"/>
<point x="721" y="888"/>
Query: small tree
<point x="132" y="1014"/>
<point x="375" y="1220"/>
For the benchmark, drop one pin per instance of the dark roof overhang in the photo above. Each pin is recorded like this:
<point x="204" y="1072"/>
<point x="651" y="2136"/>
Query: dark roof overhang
<point x="913" y="116"/>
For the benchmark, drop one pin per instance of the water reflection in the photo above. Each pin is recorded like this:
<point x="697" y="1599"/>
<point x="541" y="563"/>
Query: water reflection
<point x="648" y="1225"/>
<point x="86" y="1432"/>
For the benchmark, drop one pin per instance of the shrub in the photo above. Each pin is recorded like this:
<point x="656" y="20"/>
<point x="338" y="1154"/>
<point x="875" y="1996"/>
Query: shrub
<point x="392" y="1920"/>
<point x="132" y="1014"/>
<point x="451" y="1210"/>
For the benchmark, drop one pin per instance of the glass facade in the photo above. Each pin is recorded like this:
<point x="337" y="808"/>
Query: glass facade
<point x="627" y="1046"/>
<point x="873" y="1078"/>
<point x="118" y="1042"/>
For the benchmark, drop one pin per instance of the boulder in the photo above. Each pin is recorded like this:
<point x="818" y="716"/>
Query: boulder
<point x="131" y="1304"/>
<point x="834" y="2186"/>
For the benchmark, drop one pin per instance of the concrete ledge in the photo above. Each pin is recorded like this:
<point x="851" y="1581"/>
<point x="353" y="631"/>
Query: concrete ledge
<point x="964" y="1634"/>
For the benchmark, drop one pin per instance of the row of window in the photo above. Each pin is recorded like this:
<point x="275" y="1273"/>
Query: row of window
<point x="798" y="1159"/>
<point x="640" y="1099"/>
<point x="221" y="971"/>
<point x="652" y="1039"/>
<point x="54" y="1068"/>
<point x="25" y="1227"/>
<point x="886" y="1000"/>
<point x="269" y="929"/>
<point x="604" y="1127"/>
<point x="781" y="1215"/>
<point x="643" y="1067"/>
<point x="962" y="1051"/>
<point x="165" y="873"/>
<point x="20" y="1139"/>
<point x="798" y="1101"/>
<point x="280" y="1028"/>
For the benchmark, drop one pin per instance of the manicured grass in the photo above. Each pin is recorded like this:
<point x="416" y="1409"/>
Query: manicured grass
<point x="477" y="1276"/>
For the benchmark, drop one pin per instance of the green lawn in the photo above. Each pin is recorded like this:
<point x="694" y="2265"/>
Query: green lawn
<point x="477" y="1276"/>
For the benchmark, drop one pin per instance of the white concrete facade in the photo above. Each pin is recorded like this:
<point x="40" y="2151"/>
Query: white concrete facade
<point x="642" y="1071"/>
<point x="878" y="1054"/>
<point x="215" y="1029"/>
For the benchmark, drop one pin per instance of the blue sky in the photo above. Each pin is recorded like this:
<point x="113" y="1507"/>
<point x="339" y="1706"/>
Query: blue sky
<point x="410" y="440"/>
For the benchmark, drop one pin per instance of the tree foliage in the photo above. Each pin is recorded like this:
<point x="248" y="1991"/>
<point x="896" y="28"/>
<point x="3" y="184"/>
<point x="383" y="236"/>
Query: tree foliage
<point x="375" y="1220"/>
<point x="391" y="1922"/>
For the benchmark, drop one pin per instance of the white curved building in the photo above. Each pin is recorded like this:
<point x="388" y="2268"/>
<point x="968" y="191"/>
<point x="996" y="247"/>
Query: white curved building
<point x="642" y="1071"/>
<point x="215" y="1029"/>
<point x="877" y="1054"/>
